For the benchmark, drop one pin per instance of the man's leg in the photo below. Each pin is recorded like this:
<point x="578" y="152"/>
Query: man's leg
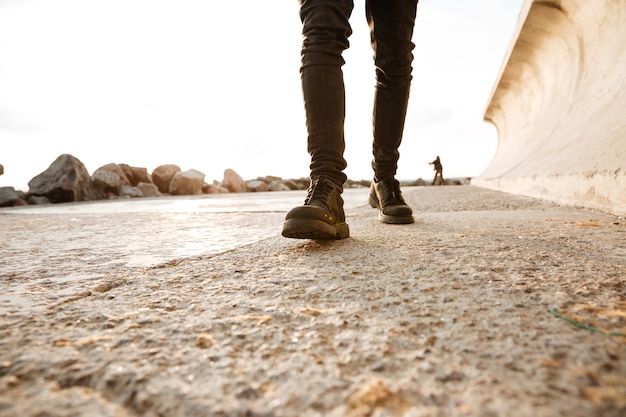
<point x="325" y="29"/>
<point x="391" y="30"/>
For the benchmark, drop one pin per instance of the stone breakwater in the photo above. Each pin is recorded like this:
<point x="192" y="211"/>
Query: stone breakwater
<point x="68" y="180"/>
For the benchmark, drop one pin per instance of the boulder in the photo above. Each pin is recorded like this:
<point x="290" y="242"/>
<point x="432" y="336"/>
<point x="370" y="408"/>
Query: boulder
<point x="233" y="182"/>
<point x="66" y="180"/>
<point x="214" y="189"/>
<point x="148" y="189"/>
<point x="162" y="175"/>
<point x="279" y="186"/>
<point x="302" y="183"/>
<point x="128" y="173"/>
<point x="107" y="181"/>
<point x="21" y="202"/>
<point x="257" y="186"/>
<point x="290" y="184"/>
<point x="140" y="175"/>
<point x="186" y="182"/>
<point x="130" y="191"/>
<point x="135" y="175"/>
<point x="37" y="200"/>
<point x="8" y="196"/>
<point x="358" y="184"/>
<point x="452" y="181"/>
<point x="269" y="178"/>
<point x="1" y="169"/>
<point x="116" y="169"/>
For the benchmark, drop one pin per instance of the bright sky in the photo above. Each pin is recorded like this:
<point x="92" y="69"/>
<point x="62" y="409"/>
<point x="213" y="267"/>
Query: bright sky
<point x="213" y="85"/>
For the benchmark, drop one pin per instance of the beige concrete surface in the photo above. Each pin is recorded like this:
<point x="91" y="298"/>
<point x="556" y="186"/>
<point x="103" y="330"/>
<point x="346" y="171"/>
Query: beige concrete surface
<point x="559" y="106"/>
<point x="449" y="316"/>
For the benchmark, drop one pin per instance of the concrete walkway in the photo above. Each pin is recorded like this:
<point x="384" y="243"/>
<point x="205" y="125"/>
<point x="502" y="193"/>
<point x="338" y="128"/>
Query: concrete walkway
<point x="471" y="311"/>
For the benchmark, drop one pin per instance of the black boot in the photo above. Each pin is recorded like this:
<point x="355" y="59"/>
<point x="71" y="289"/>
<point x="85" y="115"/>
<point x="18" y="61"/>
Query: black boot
<point x="321" y="216"/>
<point x="387" y="198"/>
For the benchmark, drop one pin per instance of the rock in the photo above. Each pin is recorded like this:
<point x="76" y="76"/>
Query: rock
<point x="291" y="185"/>
<point x="107" y="181"/>
<point x="269" y="178"/>
<point x="135" y="175"/>
<point x="116" y="169"/>
<point x="66" y="180"/>
<point x="140" y="175"/>
<point x="301" y="183"/>
<point x="278" y="186"/>
<point x="162" y="175"/>
<point x="1" y="169"/>
<point x="128" y="173"/>
<point x="257" y="186"/>
<point x="358" y="184"/>
<point x="148" y="189"/>
<point x="20" y="202"/>
<point x="8" y="196"/>
<point x="130" y="191"/>
<point x="187" y="182"/>
<point x="214" y="189"/>
<point x="452" y="181"/>
<point x="37" y="200"/>
<point x="233" y="182"/>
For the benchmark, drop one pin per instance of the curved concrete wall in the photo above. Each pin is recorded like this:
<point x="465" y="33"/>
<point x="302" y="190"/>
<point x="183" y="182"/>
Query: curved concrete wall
<point x="559" y="106"/>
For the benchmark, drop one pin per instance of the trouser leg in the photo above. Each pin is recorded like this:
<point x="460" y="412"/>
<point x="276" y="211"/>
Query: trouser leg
<point x="325" y="29"/>
<point x="391" y="25"/>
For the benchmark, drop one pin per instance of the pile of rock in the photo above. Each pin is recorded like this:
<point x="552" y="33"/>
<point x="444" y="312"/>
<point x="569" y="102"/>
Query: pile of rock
<point x="67" y="180"/>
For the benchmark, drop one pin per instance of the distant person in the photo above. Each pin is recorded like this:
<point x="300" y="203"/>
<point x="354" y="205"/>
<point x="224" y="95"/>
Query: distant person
<point x="325" y="30"/>
<point x="438" y="171"/>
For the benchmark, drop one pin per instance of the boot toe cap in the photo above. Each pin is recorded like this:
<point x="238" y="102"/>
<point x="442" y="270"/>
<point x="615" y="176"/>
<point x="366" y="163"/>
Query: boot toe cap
<point x="311" y="212"/>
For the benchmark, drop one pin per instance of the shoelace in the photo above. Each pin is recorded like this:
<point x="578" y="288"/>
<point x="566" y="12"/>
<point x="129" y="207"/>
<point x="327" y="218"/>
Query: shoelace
<point x="320" y="189"/>
<point x="390" y="192"/>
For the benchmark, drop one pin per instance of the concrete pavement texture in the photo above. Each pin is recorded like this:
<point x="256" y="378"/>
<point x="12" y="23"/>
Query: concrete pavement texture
<point x="490" y="304"/>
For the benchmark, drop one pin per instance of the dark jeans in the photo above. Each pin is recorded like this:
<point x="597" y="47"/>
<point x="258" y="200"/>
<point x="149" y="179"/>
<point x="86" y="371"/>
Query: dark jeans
<point x="326" y="28"/>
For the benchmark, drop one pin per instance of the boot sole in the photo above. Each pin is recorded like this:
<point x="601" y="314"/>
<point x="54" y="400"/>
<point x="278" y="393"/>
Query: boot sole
<point x="385" y="218"/>
<point x="314" y="229"/>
